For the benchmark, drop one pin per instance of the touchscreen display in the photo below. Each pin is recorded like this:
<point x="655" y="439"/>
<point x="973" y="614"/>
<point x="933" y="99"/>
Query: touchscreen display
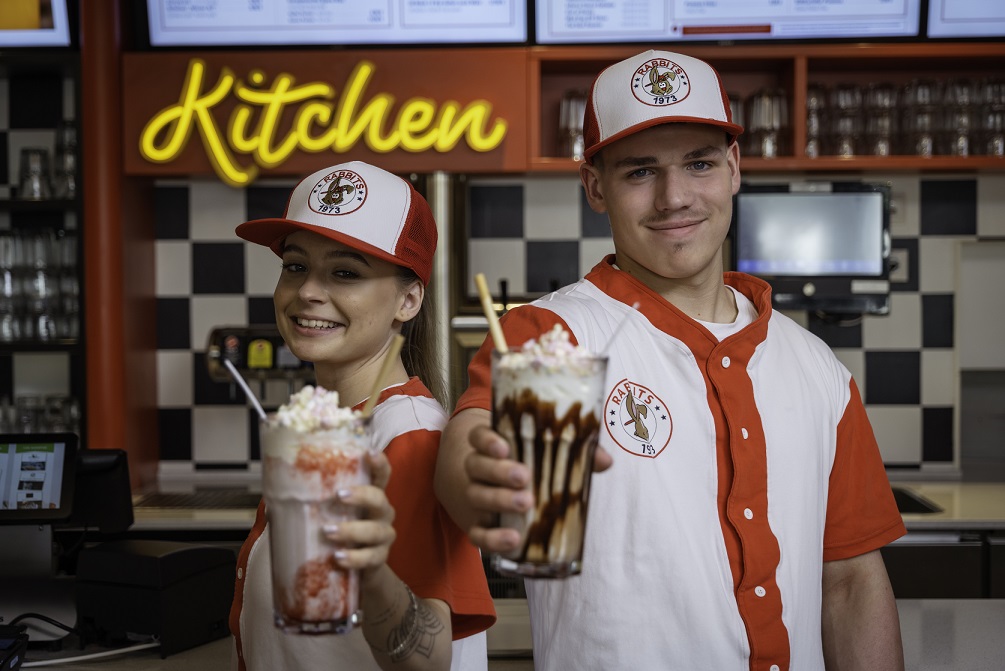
<point x="36" y="477"/>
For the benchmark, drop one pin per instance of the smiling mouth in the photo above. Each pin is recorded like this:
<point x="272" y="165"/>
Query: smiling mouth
<point x="314" y="323"/>
<point x="672" y="225"/>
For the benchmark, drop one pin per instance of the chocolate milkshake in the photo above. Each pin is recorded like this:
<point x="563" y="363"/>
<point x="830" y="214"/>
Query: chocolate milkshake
<point x="546" y="401"/>
<point x="311" y="448"/>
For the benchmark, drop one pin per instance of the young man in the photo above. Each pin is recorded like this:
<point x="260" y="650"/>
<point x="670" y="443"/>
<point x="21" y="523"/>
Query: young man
<point x="741" y="529"/>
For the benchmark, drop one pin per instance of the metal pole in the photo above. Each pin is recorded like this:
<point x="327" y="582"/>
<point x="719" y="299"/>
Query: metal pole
<point x="440" y="199"/>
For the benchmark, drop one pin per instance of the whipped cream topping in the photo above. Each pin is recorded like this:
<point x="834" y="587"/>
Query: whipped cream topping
<point x="552" y="351"/>
<point x="313" y="409"/>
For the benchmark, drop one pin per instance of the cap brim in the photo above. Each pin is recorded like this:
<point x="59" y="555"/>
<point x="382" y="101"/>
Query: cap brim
<point x="732" y="129"/>
<point x="272" y="232"/>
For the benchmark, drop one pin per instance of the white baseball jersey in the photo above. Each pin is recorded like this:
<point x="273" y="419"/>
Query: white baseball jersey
<point x="739" y="468"/>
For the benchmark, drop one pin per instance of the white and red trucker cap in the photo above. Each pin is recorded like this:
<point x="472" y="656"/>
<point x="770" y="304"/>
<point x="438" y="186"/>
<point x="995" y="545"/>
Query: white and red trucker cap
<point x="361" y="206"/>
<point x="653" y="88"/>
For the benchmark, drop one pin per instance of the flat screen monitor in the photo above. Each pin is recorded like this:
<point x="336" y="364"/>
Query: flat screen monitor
<point x="34" y="23"/>
<point x="594" y="21"/>
<point x="214" y="23"/>
<point x="37" y="476"/>
<point x="822" y="247"/>
<point x="966" y="18"/>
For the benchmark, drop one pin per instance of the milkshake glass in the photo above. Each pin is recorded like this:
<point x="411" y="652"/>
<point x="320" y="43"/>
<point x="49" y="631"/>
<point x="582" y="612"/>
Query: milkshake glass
<point x="304" y="464"/>
<point x="547" y="401"/>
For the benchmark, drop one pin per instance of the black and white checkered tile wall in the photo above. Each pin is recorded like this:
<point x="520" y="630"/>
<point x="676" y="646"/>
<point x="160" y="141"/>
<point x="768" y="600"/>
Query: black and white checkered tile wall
<point x="537" y="233"/>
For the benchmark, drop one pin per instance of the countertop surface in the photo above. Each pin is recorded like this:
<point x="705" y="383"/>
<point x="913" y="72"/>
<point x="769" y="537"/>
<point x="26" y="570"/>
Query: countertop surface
<point x="938" y="634"/>
<point x="964" y="505"/>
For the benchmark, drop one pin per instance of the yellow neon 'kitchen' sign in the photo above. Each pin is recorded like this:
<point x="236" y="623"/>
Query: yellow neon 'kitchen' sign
<point x="318" y="125"/>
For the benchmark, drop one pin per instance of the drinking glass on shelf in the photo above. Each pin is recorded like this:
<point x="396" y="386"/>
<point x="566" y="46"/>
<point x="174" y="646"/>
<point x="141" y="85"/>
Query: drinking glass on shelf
<point x="68" y="320"/>
<point x="41" y="288"/>
<point x="736" y="108"/>
<point x="816" y="110"/>
<point x="958" y="126"/>
<point x="880" y="104"/>
<point x="993" y="130"/>
<point x="922" y="93"/>
<point x="65" y="168"/>
<point x="845" y="107"/>
<point x="11" y="287"/>
<point x="991" y="124"/>
<point x="920" y="102"/>
<point x="8" y="416"/>
<point x="571" y="110"/>
<point x="42" y="327"/>
<point x="57" y="414"/>
<point x="919" y="129"/>
<point x="29" y="413"/>
<point x="33" y="179"/>
<point x="958" y="119"/>
<point x="768" y="123"/>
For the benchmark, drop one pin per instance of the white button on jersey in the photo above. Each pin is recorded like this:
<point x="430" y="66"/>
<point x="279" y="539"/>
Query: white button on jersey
<point x="760" y="591"/>
<point x="725" y="362"/>
<point x="774" y="667"/>
<point x="240" y="573"/>
<point x="748" y="513"/>
<point x="744" y="433"/>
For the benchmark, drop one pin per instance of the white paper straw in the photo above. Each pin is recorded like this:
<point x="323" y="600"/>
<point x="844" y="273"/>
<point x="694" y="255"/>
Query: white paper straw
<point x="244" y="385"/>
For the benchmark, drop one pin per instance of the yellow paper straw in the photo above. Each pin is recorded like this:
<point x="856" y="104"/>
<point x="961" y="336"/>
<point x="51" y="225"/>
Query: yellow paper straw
<point x="389" y="360"/>
<point x="490" y="314"/>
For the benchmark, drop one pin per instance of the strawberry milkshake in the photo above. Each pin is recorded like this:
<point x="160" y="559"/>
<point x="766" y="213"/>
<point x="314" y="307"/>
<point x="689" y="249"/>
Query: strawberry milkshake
<point x="312" y="449"/>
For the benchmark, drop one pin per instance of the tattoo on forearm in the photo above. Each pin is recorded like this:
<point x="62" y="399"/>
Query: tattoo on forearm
<point x="383" y="617"/>
<point x="416" y="633"/>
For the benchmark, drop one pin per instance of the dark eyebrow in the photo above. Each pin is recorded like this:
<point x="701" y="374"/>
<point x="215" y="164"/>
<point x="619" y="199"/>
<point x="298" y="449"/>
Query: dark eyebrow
<point x="347" y="254"/>
<point x="703" y="152"/>
<point x="643" y="161"/>
<point x="635" y="161"/>
<point x="334" y="254"/>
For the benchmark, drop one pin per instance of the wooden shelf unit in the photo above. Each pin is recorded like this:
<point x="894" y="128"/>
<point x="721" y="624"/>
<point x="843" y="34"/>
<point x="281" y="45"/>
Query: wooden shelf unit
<point x="745" y="69"/>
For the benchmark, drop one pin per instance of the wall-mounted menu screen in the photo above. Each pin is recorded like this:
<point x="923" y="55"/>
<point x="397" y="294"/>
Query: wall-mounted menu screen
<point x="592" y="21"/>
<point x="966" y="18"/>
<point x="34" y="23"/>
<point x="335" y="22"/>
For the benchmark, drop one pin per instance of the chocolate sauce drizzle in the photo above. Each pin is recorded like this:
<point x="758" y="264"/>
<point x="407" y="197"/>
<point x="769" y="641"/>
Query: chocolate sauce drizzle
<point x="561" y="502"/>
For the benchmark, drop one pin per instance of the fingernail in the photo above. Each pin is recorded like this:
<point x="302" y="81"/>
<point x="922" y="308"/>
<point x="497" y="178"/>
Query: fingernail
<point x="523" y="500"/>
<point x="513" y="540"/>
<point x="344" y="494"/>
<point x="331" y="529"/>
<point x="341" y="555"/>
<point x="516" y="477"/>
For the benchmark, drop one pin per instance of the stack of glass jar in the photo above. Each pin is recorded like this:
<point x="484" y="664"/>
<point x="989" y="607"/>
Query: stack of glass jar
<point x="31" y="413"/>
<point x="39" y="286"/>
<point x="925" y="117"/>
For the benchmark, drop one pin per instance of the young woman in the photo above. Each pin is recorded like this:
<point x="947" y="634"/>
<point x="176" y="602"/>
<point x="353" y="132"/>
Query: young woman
<point x="357" y="249"/>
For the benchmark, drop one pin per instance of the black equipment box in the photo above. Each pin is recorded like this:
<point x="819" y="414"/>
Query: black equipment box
<point x="179" y="593"/>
